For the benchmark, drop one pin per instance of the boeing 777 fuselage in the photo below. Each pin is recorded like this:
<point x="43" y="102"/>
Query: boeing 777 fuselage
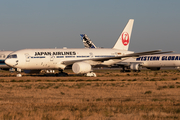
<point x="61" y="58"/>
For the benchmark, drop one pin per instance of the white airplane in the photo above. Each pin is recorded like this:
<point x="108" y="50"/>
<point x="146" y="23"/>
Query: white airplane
<point x="153" y="62"/>
<point x="81" y="60"/>
<point x="3" y="55"/>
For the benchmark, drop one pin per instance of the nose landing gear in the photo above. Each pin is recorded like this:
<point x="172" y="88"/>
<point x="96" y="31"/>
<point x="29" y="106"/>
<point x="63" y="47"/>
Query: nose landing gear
<point x="19" y="73"/>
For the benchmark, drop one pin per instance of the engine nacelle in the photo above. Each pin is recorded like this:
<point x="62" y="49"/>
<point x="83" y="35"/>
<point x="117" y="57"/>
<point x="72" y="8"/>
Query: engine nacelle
<point x="81" y="67"/>
<point x="134" y="67"/>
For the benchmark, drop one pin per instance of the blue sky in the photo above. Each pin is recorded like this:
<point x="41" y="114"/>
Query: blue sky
<point x="59" y="23"/>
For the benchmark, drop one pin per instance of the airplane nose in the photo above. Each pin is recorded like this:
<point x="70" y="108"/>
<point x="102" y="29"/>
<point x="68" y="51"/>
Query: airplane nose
<point x="8" y="62"/>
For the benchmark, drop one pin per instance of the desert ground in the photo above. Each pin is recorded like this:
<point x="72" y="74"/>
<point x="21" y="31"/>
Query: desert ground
<point x="112" y="95"/>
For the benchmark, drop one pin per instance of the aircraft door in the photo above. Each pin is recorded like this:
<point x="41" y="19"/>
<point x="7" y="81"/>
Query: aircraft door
<point x="91" y="55"/>
<point x="27" y="57"/>
<point x="116" y="54"/>
<point x="52" y="58"/>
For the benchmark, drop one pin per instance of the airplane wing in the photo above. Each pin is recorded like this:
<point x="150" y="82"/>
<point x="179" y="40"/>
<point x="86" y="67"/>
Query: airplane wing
<point x="147" y="53"/>
<point x="117" y="57"/>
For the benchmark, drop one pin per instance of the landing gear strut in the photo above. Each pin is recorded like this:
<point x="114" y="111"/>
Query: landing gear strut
<point x="124" y="69"/>
<point x="19" y="73"/>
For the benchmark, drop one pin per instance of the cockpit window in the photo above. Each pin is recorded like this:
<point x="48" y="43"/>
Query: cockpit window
<point x="12" y="56"/>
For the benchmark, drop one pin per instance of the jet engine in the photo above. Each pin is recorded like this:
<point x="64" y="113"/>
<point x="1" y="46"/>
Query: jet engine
<point x="134" y="67"/>
<point x="81" y="67"/>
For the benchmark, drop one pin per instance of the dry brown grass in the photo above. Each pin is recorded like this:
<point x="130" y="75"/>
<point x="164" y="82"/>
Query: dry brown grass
<point x="112" y="95"/>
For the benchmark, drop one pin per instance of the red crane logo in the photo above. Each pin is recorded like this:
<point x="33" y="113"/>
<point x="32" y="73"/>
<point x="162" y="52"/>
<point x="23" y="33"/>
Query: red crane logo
<point x="125" y="38"/>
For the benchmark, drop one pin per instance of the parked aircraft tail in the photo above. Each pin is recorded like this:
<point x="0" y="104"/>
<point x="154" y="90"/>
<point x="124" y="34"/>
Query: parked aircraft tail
<point x="124" y="39"/>
<point x="87" y="42"/>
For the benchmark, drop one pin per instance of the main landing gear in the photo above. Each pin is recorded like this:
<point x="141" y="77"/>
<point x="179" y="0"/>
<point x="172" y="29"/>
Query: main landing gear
<point x="125" y="70"/>
<point x="61" y="73"/>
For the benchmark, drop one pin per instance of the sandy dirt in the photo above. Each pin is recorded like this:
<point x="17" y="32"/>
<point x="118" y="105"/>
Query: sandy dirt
<point x="144" y="95"/>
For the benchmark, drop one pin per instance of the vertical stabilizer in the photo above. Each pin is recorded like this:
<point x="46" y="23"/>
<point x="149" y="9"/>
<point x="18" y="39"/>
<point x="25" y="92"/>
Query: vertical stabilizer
<point x="124" y="39"/>
<point x="87" y="42"/>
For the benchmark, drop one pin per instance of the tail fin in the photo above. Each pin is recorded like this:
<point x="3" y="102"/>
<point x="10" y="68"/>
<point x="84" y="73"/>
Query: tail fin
<point x="87" y="42"/>
<point x="124" y="39"/>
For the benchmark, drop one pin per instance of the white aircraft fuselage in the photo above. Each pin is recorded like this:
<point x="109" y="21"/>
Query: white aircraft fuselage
<point x="60" y="58"/>
<point x="161" y="60"/>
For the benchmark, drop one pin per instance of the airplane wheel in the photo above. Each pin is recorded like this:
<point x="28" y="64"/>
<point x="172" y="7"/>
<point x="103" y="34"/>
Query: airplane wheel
<point x="61" y="74"/>
<point x="18" y="75"/>
<point x="91" y="74"/>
